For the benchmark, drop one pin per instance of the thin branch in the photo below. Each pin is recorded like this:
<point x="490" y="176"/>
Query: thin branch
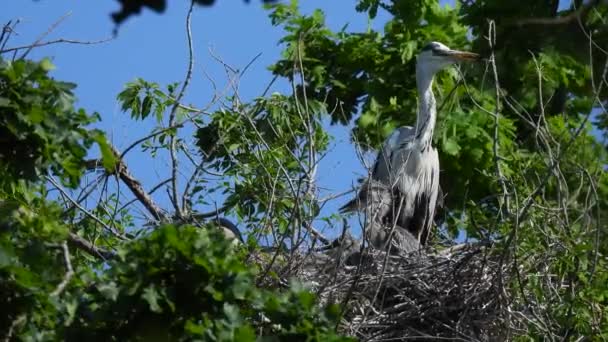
<point x="579" y="13"/>
<point x="6" y="29"/>
<point x="152" y="135"/>
<point x="85" y="211"/>
<point x="216" y="212"/>
<point x="153" y="190"/>
<point x="69" y="271"/>
<point x="555" y="163"/>
<point x="316" y="233"/>
<point x="50" y="29"/>
<point x="16" y="322"/>
<point x="84" y="194"/>
<point x="495" y="147"/>
<point x="58" y="41"/>
<point x="173" y="115"/>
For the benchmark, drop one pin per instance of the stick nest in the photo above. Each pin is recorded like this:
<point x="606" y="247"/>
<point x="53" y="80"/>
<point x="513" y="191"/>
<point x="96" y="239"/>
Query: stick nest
<point x="452" y="294"/>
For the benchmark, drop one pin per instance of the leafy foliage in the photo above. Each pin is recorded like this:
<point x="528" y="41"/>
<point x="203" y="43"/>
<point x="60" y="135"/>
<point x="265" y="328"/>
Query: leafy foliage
<point x="273" y="142"/>
<point x="188" y="283"/>
<point x="177" y="282"/>
<point x="133" y="7"/>
<point x="40" y="129"/>
<point x="520" y="166"/>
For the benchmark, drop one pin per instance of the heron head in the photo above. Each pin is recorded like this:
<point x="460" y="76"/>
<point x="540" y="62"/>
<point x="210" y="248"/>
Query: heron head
<point x="436" y="56"/>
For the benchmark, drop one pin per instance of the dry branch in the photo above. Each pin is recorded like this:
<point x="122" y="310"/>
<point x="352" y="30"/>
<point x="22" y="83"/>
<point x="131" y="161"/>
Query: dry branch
<point x="136" y="188"/>
<point x="69" y="271"/>
<point x="454" y="294"/>
<point x="88" y="247"/>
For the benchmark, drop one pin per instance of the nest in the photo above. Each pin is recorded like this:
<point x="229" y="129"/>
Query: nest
<point x="453" y="294"/>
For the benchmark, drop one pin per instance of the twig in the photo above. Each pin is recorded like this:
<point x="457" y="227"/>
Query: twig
<point x="173" y="115"/>
<point x="579" y="13"/>
<point x="215" y="213"/>
<point x="57" y="41"/>
<point x="69" y="271"/>
<point x="50" y="29"/>
<point x="156" y="187"/>
<point x="495" y="147"/>
<point x="85" y="211"/>
<point x="152" y="135"/>
<point x="17" y="321"/>
<point x="555" y="163"/>
<point x="84" y="194"/>
<point x="6" y="29"/>
<point x="315" y="233"/>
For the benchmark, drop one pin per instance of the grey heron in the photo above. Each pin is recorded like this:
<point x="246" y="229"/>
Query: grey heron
<point x="375" y="198"/>
<point x="408" y="162"/>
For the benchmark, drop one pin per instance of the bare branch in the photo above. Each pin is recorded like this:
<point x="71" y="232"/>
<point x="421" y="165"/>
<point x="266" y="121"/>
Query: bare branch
<point x="173" y="115"/>
<point x="152" y="135"/>
<point x="577" y="14"/>
<point x="14" y="324"/>
<point x="58" y="41"/>
<point x="499" y="173"/>
<point x="50" y="29"/>
<point x="85" y="211"/>
<point x="69" y="271"/>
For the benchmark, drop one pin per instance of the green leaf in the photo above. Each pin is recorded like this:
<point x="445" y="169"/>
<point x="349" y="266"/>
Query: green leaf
<point x="151" y="296"/>
<point x="245" y="333"/>
<point x="46" y="65"/>
<point x="4" y="102"/>
<point x="109" y="290"/>
<point x="146" y="106"/>
<point x="367" y="119"/>
<point x="450" y="146"/>
<point x="108" y="159"/>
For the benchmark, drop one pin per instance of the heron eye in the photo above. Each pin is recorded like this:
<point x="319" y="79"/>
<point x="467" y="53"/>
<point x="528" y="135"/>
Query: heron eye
<point x="439" y="52"/>
<point x="428" y="47"/>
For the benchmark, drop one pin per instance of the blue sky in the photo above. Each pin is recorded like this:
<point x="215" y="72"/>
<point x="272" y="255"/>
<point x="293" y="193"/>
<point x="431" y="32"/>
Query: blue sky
<point x="154" y="47"/>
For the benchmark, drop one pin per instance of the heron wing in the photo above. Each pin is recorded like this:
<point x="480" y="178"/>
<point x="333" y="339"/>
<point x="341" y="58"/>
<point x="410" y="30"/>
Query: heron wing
<point x="382" y="167"/>
<point x="416" y="174"/>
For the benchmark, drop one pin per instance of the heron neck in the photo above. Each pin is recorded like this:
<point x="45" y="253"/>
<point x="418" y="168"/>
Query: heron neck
<point x="427" y="113"/>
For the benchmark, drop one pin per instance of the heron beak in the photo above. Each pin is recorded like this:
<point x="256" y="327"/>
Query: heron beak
<point x="462" y="56"/>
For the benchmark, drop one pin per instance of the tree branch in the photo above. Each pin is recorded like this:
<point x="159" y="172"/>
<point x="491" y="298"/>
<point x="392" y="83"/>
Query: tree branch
<point x="57" y="41"/>
<point x="581" y="12"/>
<point x="69" y="271"/>
<point x="84" y="210"/>
<point x="136" y="188"/>
<point x="495" y="146"/>
<point x="173" y="115"/>
<point x="88" y="247"/>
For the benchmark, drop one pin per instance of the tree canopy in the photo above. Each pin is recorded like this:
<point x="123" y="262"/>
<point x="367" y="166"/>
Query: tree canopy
<point x="521" y="166"/>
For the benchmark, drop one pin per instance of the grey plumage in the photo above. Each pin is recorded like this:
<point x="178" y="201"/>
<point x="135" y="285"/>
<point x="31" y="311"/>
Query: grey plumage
<point x="393" y="240"/>
<point x="374" y="197"/>
<point x="382" y="166"/>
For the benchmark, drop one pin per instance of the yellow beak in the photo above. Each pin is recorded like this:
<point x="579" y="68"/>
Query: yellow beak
<point x="464" y="56"/>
